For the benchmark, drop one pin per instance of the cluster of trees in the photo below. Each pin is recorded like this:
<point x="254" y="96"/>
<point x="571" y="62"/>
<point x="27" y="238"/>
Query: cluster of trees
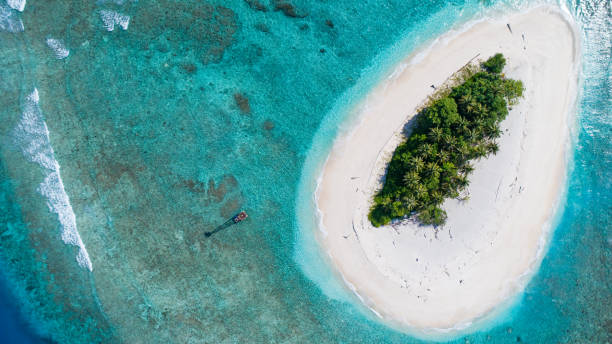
<point x="433" y="163"/>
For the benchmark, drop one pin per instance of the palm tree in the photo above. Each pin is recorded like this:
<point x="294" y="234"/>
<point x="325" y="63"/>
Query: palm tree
<point x="495" y="132"/>
<point x="462" y="182"/>
<point x="411" y="178"/>
<point x="433" y="169"/>
<point x="492" y="147"/>
<point x="443" y="156"/>
<point x="463" y="126"/>
<point x="420" y="192"/>
<point x="409" y="202"/>
<point x="450" y="142"/>
<point x="473" y="134"/>
<point x="418" y="163"/>
<point x="464" y="150"/>
<point x="436" y="134"/>
<point x="476" y="108"/>
<point x="466" y="169"/>
<point x="470" y="106"/>
<point x="382" y="200"/>
<point x="428" y="151"/>
<point x="491" y="130"/>
<point x="481" y="150"/>
<point x="466" y="99"/>
<point x="436" y="197"/>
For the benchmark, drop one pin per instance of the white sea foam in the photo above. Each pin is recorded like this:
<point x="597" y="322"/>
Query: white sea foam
<point x="33" y="136"/>
<point x="112" y="18"/>
<point x="18" y="5"/>
<point x="9" y="19"/>
<point x="58" y="47"/>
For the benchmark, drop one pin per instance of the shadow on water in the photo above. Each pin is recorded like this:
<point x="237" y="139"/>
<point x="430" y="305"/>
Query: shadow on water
<point x="225" y="224"/>
<point x="232" y="221"/>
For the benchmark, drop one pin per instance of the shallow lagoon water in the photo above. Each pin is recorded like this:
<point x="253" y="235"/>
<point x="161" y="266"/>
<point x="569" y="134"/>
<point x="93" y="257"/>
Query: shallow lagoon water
<point x="156" y="145"/>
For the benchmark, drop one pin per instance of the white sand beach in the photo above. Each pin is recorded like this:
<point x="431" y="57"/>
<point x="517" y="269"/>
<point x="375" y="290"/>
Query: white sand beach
<point x="425" y="278"/>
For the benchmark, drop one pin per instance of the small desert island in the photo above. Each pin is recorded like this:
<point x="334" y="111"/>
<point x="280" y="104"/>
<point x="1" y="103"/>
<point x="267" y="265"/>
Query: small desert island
<point x="436" y="201"/>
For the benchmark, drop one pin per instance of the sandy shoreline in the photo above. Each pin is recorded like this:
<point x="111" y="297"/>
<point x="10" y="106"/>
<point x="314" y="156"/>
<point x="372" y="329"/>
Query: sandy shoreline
<point x="425" y="279"/>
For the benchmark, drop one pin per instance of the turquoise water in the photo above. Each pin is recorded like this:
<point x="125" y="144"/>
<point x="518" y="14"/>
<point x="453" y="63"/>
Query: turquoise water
<point x="153" y="149"/>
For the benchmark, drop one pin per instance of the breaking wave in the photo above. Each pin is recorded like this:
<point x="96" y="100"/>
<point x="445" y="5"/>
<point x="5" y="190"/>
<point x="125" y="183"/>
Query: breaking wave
<point x="58" y="47"/>
<point x="9" y="19"/>
<point x="112" y="18"/>
<point x="18" y="5"/>
<point x="32" y="135"/>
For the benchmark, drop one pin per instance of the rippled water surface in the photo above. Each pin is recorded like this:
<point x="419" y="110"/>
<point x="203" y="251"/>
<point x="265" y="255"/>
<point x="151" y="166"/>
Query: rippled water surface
<point x="130" y="128"/>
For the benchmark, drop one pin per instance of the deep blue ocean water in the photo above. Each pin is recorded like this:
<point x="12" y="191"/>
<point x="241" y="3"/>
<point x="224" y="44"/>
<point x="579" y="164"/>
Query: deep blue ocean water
<point x="187" y="112"/>
<point x="14" y="328"/>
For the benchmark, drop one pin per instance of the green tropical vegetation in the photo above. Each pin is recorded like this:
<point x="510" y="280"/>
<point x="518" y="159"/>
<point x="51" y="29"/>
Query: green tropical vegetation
<point x="458" y="125"/>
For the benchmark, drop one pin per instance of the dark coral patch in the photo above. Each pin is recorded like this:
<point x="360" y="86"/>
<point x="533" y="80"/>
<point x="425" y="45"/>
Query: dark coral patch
<point x="256" y="5"/>
<point x="189" y="68"/>
<point x="243" y="103"/>
<point x="228" y="182"/>
<point x="268" y="125"/>
<point x="288" y="9"/>
<point x="194" y="186"/>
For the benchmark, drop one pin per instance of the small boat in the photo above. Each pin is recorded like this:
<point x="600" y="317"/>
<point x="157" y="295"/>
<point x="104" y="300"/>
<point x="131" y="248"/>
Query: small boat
<point x="232" y="221"/>
<point x="241" y="216"/>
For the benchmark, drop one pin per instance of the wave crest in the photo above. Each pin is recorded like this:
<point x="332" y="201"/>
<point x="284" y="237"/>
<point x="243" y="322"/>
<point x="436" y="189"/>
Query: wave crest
<point x="112" y="18"/>
<point x="58" y="47"/>
<point x="9" y="19"/>
<point x="32" y="135"/>
<point x="18" y="5"/>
